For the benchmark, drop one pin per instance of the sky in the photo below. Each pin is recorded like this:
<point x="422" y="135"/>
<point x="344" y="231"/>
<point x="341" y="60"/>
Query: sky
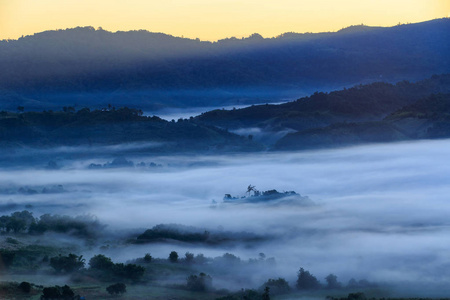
<point x="212" y="19"/>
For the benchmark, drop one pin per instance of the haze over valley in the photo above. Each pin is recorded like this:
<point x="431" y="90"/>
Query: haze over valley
<point x="369" y="206"/>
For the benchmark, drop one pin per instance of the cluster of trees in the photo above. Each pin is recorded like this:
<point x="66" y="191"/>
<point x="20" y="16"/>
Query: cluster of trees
<point x="32" y="190"/>
<point x="17" y="221"/>
<point x="352" y="296"/>
<point x="124" y="125"/>
<point x="117" y="289"/>
<point x="109" y="113"/>
<point x="23" y="221"/>
<point x="174" y="232"/>
<point x="227" y="260"/>
<point x="173" y="257"/>
<point x="277" y="286"/>
<point x="122" y="162"/>
<point x="67" y="264"/>
<point x="199" y="283"/>
<point x="25" y="287"/>
<point x="100" y="266"/>
<point x="103" y="267"/>
<point x="307" y="281"/>
<point x="83" y="115"/>
<point x="194" y="234"/>
<point x="119" y="162"/>
<point x="58" y="293"/>
<point x="24" y="258"/>
<point x="248" y="294"/>
<point x="16" y="290"/>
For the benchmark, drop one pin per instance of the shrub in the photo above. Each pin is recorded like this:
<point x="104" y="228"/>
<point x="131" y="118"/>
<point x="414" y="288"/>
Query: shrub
<point x="108" y="270"/>
<point x="199" y="283"/>
<point x="68" y="263"/>
<point x="101" y="262"/>
<point x="332" y="282"/>
<point x="7" y="257"/>
<point x="51" y="293"/>
<point x="148" y="258"/>
<point x="25" y="287"/>
<point x="173" y="257"/>
<point x="306" y="281"/>
<point x="189" y="257"/>
<point x="277" y="286"/>
<point x="118" y="288"/>
<point x="56" y="292"/>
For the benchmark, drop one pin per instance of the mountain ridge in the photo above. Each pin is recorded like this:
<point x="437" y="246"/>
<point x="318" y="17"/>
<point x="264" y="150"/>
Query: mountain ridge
<point x="129" y="68"/>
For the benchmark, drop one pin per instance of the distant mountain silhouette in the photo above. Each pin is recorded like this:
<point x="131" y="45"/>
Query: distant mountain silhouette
<point x="88" y="66"/>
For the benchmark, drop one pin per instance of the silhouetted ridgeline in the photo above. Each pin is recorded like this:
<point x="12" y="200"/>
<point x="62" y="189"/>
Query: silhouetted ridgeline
<point x="360" y="103"/>
<point x="377" y="112"/>
<point x="114" y="126"/>
<point x="84" y="65"/>
<point x="428" y="118"/>
<point x="350" y="116"/>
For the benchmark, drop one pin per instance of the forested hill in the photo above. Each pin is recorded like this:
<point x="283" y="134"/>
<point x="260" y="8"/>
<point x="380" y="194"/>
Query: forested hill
<point x="370" y="102"/>
<point x="97" y="65"/>
<point x="112" y="127"/>
<point x="377" y="112"/>
<point x="428" y="118"/>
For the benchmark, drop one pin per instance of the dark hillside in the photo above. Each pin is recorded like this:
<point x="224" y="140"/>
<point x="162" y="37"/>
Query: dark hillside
<point x="70" y="128"/>
<point x="341" y="134"/>
<point x="361" y="103"/>
<point x="428" y="118"/>
<point x="93" y="66"/>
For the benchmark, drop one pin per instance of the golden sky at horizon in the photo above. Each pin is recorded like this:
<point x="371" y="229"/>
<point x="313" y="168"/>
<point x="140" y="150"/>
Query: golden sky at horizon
<point x="212" y="19"/>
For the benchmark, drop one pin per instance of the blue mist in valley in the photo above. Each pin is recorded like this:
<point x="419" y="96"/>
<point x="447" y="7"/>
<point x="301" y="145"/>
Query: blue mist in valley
<point x="378" y="212"/>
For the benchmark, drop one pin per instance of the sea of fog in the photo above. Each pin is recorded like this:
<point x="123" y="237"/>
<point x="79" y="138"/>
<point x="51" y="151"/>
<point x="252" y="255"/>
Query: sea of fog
<point x="381" y="212"/>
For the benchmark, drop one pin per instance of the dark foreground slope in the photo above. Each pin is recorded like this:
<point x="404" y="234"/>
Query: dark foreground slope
<point x="110" y="127"/>
<point x="88" y="66"/>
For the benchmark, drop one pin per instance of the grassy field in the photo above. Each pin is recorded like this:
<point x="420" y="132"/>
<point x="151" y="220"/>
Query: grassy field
<point x="151" y="291"/>
<point x="8" y="290"/>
